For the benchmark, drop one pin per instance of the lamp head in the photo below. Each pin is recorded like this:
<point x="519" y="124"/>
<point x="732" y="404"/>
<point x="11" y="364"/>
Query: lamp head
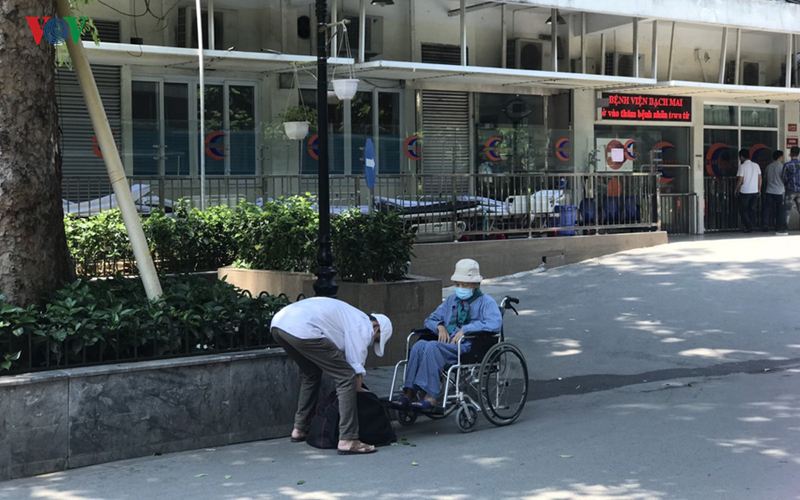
<point x="383" y="3"/>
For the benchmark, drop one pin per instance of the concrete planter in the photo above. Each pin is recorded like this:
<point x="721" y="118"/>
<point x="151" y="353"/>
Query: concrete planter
<point x="407" y="302"/>
<point x="72" y="418"/>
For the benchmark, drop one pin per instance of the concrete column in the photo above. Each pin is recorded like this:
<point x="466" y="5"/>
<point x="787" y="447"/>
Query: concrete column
<point x="583" y="43"/>
<point x="698" y="162"/>
<point x="554" y="35"/>
<point x="464" y="61"/>
<point x="126" y="101"/>
<point x="671" y="53"/>
<point x="362" y="31"/>
<point x="503" y="36"/>
<point x="585" y="110"/>
<point x="723" y="55"/>
<point x="654" y="57"/>
<point x="636" y="48"/>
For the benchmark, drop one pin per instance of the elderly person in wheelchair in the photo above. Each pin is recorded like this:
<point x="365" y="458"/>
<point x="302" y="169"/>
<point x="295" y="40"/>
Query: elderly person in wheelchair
<point x="468" y="310"/>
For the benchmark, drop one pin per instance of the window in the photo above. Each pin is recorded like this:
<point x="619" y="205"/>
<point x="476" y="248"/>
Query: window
<point x="356" y="132"/>
<point x="723" y="137"/>
<point x="639" y="142"/>
<point x="511" y="133"/>
<point x="165" y="130"/>
<point x="721" y="115"/>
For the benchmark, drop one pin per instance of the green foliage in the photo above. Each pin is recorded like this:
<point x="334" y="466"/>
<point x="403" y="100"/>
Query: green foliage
<point x="373" y="247"/>
<point x="281" y="236"/>
<point x="192" y="239"/>
<point x="300" y="113"/>
<point x="112" y="319"/>
<point x="98" y="239"/>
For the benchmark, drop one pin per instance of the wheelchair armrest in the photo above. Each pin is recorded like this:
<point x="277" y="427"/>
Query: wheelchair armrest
<point x="477" y="335"/>
<point x="424" y="334"/>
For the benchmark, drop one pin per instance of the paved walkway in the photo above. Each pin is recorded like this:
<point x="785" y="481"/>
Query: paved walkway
<point x="708" y="305"/>
<point x="698" y="343"/>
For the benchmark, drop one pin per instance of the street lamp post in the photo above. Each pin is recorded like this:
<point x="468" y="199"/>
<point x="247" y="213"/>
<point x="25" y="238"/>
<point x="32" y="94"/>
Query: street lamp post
<point x="325" y="286"/>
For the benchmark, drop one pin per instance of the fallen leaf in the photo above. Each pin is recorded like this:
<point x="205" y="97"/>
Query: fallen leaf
<point x="414" y="464"/>
<point x="406" y="443"/>
<point x="413" y="446"/>
<point x="228" y="477"/>
<point x="394" y="444"/>
<point x="200" y="475"/>
<point x="301" y="482"/>
<point x="566" y="456"/>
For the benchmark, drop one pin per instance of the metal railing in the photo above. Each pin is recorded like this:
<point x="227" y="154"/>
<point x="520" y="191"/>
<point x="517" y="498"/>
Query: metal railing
<point x="679" y="213"/>
<point x="437" y="206"/>
<point x="721" y="209"/>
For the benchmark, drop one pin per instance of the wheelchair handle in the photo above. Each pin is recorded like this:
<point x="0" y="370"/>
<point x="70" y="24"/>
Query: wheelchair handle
<point x="508" y="303"/>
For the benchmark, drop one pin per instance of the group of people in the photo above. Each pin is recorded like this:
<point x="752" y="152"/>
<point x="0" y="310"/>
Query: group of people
<point x="324" y="335"/>
<point x="781" y="188"/>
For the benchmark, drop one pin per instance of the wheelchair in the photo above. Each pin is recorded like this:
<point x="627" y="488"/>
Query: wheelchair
<point x="491" y="378"/>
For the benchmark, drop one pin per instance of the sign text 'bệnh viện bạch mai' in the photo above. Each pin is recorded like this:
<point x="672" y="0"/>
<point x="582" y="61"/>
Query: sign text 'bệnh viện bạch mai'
<point x="647" y="108"/>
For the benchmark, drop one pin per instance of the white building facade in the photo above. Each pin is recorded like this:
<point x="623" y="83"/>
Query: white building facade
<point x="518" y="86"/>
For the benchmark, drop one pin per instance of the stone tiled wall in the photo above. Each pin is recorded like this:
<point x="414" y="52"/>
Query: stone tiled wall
<point x="73" y="418"/>
<point x="505" y="257"/>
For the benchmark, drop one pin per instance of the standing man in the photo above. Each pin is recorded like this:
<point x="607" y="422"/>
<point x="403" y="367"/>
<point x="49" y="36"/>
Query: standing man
<point x="791" y="180"/>
<point x="773" y="199"/>
<point x="748" y="189"/>
<point x="324" y="335"/>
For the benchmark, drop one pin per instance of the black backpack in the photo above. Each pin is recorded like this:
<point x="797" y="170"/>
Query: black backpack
<point x="374" y="424"/>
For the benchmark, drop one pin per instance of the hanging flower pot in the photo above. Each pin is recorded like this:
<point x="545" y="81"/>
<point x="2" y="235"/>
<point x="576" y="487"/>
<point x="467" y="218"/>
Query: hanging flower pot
<point x="345" y="89"/>
<point x="296" y="131"/>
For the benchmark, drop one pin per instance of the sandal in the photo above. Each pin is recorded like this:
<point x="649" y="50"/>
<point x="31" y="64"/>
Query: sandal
<point x="423" y="405"/>
<point x="401" y="403"/>
<point x="298" y="439"/>
<point x="358" y="448"/>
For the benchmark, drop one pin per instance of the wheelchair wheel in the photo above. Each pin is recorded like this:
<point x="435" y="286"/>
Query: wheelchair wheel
<point x="406" y="418"/>
<point x="466" y="417"/>
<point x="503" y="384"/>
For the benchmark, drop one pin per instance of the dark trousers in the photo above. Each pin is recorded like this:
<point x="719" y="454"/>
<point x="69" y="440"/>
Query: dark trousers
<point x="773" y="214"/>
<point x="313" y="357"/>
<point x="747" y="209"/>
<point x="791" y="198"/>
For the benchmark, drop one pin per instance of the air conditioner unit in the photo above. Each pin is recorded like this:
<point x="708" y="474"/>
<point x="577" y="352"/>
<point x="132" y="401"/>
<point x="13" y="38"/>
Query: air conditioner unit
<point x="753" y="74"/>
<point x="528" y="54"/>
<point x="591" y="66"/>
<point x="373" y="44"/>
<point x="186" y="28"/>
<point x="621" y="64"/>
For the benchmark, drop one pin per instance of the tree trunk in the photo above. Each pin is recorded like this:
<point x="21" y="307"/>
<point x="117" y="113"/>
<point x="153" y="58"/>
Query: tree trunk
<point x="33" y="248"/>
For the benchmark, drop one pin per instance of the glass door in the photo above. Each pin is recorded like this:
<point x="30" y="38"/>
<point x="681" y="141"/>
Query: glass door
<point x="160" y="128"/>
<point x="146" y="115"/>
<point x="229" y="141"/>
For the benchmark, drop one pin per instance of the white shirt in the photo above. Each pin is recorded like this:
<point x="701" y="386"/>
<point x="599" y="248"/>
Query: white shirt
<point x="749" y="172"/>
<point x="349" y="329"/>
